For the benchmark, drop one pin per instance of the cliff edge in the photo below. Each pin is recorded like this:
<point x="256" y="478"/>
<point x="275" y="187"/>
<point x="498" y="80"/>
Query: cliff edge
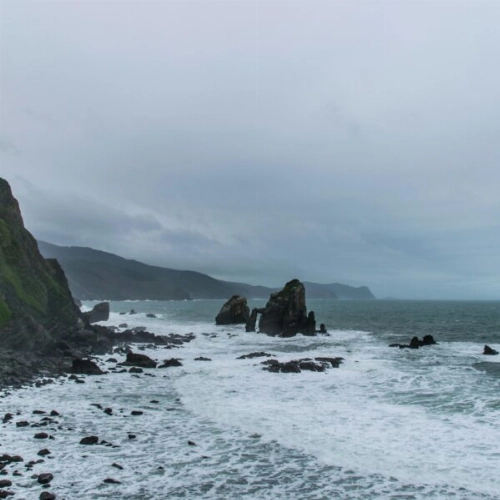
<point x="36" y="306"/>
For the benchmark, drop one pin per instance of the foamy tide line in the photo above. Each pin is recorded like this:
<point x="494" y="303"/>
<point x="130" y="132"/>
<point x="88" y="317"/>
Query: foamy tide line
<point x="360" y="431"/>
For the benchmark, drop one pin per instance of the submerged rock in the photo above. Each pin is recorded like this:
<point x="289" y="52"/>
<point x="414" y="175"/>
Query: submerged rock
<point x="255" y="355"/>
<point x="235" y="311"/>
<point x="170" y="362"/>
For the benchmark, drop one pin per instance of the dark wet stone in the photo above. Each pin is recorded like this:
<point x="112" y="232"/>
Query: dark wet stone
<point x="43" y="452"/>
<point x="150" y="315"/>
<point x="255" y="355"/>
<point x="132" y="436"/>
<point x="45" y="478"/>
<point x="89" y="440"/>
<point x="112" y="360"/>
<point x="489" y="351"/>
<point x="7" y="417"/>
<point x="54" y="413"/>
<point x="110" y="480"/>
<point x="201" y="358"/>
<point x="117" y="466"/>
<point x="154" y="401"/>
<point x="85" y="367"/>
<point x="10" y="458"/>
<point x="4" y="483"/>
<point x="41" y="435"/>
<point x="46" y="495"/>
<point x="139" y="360"/>
<point x="334" y="362"/>
<point x="136" y="412"/>
<point x="22" y="423"/>
<point x="108" y="411"/>
<point x="39" y="412"/>
<point x="170" y="362"/>
<point x="134" y="369"/>
<point x="191" y="443"/>
<point x="6" y="493"/>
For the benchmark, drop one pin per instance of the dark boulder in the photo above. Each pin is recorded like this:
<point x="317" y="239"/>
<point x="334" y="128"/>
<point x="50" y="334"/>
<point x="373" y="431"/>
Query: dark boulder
<point x="46" y="495"/>
<point x="140" y="360"/>
<point x="45" y="478"/>
<point x="170" y="362"/>
<point x="285" y="313"/>
<point x="85" y="367"/>
<point x="89" y="440"/>
<point x="489" y="351"/>
<point x="100" y="312"/>
<point x="235" y="311"/>
<point x="428" y="340"/>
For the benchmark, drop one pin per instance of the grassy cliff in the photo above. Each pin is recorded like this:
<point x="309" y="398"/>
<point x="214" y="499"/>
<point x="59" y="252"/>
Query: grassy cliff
<point x="32" y="289"/>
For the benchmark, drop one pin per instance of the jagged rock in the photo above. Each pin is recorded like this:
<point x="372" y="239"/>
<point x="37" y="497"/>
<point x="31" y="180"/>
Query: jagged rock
<point x="334" y="362"/>
<point x="298" y="365"/>
<point x="415" y="343"/>
<point x="140" y="360"/>
<point x="234" y="311"/>
<point x="285" y="313"/>
<point x="252" y="320"/>
<point x="489" y="351"/>
<point x="85" y="367"/>
<point x="100" y="312"/>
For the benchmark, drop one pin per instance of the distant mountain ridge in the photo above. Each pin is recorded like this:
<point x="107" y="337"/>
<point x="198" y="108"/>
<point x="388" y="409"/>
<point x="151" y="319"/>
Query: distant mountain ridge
<point x="94" y="274"/>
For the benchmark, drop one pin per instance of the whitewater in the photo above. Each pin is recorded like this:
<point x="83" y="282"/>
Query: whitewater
<point x="388" y="423"/>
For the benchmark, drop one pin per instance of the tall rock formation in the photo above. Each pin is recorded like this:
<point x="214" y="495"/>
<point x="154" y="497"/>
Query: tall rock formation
<point x="36" y="306"/>
<point x="285" y="313"/>
<point x="233" y="312"/>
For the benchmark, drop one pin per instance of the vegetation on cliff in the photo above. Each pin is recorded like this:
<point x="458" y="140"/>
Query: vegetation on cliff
<point x="33" y="290"/>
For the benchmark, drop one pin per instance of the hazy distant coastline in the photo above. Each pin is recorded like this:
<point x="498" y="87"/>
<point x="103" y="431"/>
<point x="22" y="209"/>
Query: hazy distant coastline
<point x="94" y="274"/>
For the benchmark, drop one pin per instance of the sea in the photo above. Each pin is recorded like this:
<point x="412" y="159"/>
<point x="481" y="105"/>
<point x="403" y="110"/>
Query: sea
<point x="389" y="423"/>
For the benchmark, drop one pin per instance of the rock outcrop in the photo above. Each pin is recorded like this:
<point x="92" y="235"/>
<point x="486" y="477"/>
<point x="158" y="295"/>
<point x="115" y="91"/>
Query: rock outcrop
<point x="415" y="342"/>
<point x="36" y="306"/>
<point x="235" y="311"/>
<point x="285" y="313"/>
<point x="100" y="312"/>
<point x="489" y="351"/>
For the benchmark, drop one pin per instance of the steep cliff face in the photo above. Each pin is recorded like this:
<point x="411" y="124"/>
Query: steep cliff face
<point x="35" y="302"/>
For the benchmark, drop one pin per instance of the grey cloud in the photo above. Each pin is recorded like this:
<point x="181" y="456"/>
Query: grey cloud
<point x="341" y="141"/>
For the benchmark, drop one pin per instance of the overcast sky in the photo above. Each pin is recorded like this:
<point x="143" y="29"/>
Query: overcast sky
<point x="259" y="141"/>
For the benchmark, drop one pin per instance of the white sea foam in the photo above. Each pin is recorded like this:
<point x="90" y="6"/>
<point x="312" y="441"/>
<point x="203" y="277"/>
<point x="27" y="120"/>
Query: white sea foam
<point x="388" y="423"/>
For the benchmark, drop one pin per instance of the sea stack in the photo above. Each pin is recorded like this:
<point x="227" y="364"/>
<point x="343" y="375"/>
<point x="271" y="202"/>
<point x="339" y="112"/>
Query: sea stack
<point x="285" y="313"/>
<point x="235" y="311"/>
